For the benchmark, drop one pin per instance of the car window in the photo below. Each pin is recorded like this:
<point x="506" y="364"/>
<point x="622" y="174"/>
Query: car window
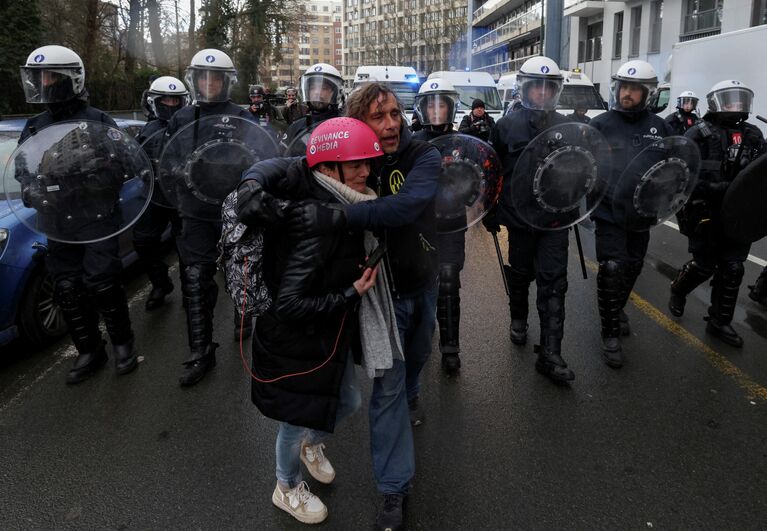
<point x="8" y="142"/>
<point x="580" y="97"/>
<point x="489" y="95"/>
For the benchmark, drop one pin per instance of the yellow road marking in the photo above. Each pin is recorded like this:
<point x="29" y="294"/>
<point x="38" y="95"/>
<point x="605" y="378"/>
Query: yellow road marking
<point x="718" y="361"/>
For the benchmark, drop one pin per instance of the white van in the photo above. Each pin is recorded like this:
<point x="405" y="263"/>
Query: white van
<point x="577" y="91"/>
<point x="471" y="86"/>
<point x="402" y="79"/>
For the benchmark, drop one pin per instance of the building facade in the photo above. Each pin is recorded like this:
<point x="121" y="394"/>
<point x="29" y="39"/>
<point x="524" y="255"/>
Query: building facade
<point x="318" y="39"/>
<point x="427" y="35"/>
<point x="605" y="34"/>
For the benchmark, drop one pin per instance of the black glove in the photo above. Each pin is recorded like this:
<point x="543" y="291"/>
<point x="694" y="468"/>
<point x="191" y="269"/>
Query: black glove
<point x="255" y="206"/>
<point x="490" y="221"/>
<point x="314" y="218"/>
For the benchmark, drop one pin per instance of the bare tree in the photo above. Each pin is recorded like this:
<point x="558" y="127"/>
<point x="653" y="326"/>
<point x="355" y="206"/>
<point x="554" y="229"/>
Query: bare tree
<point x="158" y="50"/>
<point x="134" y="16"/>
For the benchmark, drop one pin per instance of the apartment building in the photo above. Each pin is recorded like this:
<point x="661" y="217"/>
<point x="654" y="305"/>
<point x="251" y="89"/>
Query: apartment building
<point x="506" y="33"/>
<point x="318" y="39"/>
<point x="427" y="35"/>
<point x="606" y="33"/>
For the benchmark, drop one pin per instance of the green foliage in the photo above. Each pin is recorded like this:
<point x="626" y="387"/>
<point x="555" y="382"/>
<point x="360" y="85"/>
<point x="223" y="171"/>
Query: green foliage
<point x="20" y="34"/>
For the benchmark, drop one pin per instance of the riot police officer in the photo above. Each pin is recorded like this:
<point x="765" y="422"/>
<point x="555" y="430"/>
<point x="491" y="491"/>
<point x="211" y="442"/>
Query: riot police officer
<point x="86" y="276"/>
<point x="435" y="107"/>
<point x="321" y="87"/>
<point x="727" y="145"/>
<point x="210" y="77"/>
<point x="685" y="116"/>
<point x="533" y="254"/>
<point x="165" y="96"/>
<point x="262" y="111"/>
<point x="758" y="292"/>
<point x="629" y="127"/>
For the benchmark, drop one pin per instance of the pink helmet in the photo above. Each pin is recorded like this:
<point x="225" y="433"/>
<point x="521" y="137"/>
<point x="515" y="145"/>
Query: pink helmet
<point x="341" y="140"/>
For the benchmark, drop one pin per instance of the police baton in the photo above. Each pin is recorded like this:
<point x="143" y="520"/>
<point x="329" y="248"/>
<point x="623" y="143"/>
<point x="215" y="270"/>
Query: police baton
<point x="762" y="118"/>
<point x="580" y="251"/>
<point x="500" y="262"/>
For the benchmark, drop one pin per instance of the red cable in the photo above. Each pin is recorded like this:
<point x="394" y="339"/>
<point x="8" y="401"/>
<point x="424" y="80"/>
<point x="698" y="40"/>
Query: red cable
<point x="242" y="330"/>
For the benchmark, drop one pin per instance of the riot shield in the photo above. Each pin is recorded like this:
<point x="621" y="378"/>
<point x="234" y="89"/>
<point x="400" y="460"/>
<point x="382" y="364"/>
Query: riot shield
<point x="152" y="146"/>
<point x="204" y="161"/>
<point x="78" y="182"/>
<point x="656" y="183"/>
<point x="743" y="215"/>
<point x="469" y="182"/>
<point x="297" y="147"/>
<point x="561" y="176"/>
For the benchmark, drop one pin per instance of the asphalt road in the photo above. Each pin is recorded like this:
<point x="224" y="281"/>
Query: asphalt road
<point x="676" y="439"/>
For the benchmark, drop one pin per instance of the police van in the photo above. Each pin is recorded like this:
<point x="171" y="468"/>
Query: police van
<point x="577" y="92"/>
<point x="403" y="80"/>
<point x="472" y="86"/>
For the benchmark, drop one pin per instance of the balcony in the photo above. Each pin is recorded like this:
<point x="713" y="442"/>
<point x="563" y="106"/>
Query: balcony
<point x="492" y="10"/>
<point x="583" y="8"/>
<point x="523" y="24"/>
<point x="498" y="69"/>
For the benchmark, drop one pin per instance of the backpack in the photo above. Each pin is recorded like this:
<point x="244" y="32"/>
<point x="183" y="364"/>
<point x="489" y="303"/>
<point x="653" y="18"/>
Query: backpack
<point x="241" y="259"/>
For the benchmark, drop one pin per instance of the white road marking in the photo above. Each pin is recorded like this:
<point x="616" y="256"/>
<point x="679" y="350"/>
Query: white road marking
<point x="751" y="258"/>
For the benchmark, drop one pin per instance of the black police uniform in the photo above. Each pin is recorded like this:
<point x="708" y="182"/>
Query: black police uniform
<point x="533" y="254"/>
<point x="197" y="249"/>
<point x="620" y="252"/>
<point x="758" y="292"/>
<point x="681" y="121"/>
<point x="148" y="231"/>
<point x="306" y="125"/>
<point x="575" y="117"/>
<point x="86" y="277"/>
<point x="452" y="256"/>
<point x="727" y="145"/>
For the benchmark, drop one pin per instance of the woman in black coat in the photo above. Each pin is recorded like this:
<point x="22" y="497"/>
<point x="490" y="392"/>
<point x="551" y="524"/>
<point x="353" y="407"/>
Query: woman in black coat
<point x="302" y="349"/>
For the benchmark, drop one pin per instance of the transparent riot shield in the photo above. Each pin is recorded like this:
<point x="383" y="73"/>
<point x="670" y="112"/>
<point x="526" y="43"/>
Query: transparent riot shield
<point x="152" y="146"/>
<point x="561" y="176"/>
<point x="297" y="147"/>
<point x="204" y="161"/>
<point x="656" y="183"/>
<point x="742" y="212"/>
<point x="469" y="182"/>
<point x="78" y="182"/>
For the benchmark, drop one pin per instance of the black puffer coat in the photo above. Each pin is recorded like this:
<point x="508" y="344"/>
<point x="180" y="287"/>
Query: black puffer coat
<point x="310" y="282"/>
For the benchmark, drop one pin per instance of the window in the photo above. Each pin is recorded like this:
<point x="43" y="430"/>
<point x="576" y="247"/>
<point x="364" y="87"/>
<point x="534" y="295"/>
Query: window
<point x="702" y="16"/>
<point x="656" y="22"/>
<point x="618" y="35"/>
<point x="760" y="12"/>
<point x="636" y="30"/>
<point x="591" y="48"/>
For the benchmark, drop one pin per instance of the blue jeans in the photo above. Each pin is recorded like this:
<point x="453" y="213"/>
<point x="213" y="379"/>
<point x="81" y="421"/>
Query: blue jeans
<point x="290" y="437"/>
<point x="391" y="437"/>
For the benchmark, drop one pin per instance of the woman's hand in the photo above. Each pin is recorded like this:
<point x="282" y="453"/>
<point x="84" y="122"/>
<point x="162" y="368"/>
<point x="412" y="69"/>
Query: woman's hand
<point x="366" y="281"/>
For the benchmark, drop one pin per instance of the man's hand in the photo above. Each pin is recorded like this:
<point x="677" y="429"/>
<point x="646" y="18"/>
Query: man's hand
<point x="255" y="206"/>
<point x="312" y="218"/>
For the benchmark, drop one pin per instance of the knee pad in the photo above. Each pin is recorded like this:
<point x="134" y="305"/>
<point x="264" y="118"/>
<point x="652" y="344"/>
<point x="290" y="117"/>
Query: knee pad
<point x="610" y="268"/>
<point x="68" y="292"/>
<point x="449" y="278"/>
<point x="733" y="270"/>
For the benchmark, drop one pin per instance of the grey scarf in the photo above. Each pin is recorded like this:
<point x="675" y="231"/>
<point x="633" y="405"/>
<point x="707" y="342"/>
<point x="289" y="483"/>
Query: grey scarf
<point x="378" y="324"/>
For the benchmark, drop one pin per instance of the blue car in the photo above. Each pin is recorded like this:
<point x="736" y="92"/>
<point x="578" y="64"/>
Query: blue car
<point x="27" y="309"/>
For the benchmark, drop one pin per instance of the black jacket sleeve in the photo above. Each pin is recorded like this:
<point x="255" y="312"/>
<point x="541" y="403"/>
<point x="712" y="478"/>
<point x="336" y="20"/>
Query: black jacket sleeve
<point x="465" y="125"/>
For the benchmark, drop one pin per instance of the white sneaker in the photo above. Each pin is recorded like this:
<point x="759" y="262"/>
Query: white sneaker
<point x="300" y="504"/>
<point x="317" y="464"/>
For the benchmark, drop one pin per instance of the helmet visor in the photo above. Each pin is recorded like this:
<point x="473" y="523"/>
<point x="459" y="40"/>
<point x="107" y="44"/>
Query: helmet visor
<point x="49" y="85"/>
<point x="436" y="109"/>
<point x="630" y="95"/>
<point x="320" y="89"/>
<point x="210" y="85"/>
<point x="539" y="94"/>
<point x="731" y="100"/>
<point x="687" y="103"/>
<point x="163" y="106"/>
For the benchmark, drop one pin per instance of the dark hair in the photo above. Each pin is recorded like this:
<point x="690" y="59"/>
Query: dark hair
<point x="359" y="100"/>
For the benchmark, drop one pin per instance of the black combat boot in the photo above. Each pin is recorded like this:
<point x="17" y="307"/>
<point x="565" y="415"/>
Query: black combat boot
<point x="111" y="300"/>
<point x="449" y="316"/>
<point x="551" y="310"/>
<point x="200" y="294"/>
<point x="610" y="286"/>
<point x="724" y="297"/>
<point x="690" y="277"/>
<point x="519" y="285"/>
<point x="758" y="292"/>
<point x="83" y="323"/>
<point x="243" y="327"/>
<point x="157" y="271"/>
